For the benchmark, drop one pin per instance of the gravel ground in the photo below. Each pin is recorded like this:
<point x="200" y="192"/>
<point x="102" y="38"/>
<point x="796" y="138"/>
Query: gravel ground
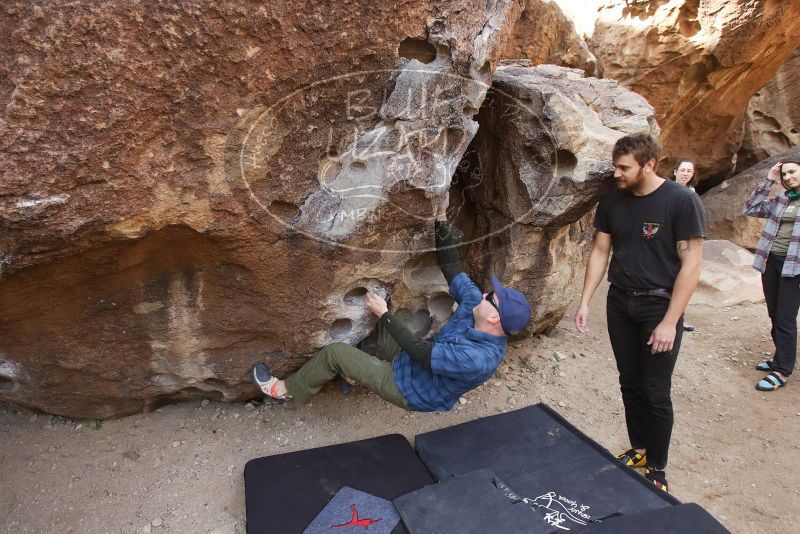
<point x="179" y="469"/>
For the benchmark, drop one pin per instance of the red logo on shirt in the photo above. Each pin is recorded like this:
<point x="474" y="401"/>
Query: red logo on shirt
<point x="650" y="229"/>
<point x="356" y="522"/>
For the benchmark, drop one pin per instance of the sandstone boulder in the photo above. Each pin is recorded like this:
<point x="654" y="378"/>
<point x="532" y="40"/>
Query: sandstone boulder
<point x="728" y="277"/>
<point x="539" y="164"/>
<point x="544" y="34"/>
<point x="698" y="63"/>
<point x="725" y="202"/>
<point x="772" y="122"/>
<point x="189" y="187"/>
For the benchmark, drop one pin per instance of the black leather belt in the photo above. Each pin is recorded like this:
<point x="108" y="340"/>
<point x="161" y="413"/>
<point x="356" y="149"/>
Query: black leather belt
<point x="658" y="292"/>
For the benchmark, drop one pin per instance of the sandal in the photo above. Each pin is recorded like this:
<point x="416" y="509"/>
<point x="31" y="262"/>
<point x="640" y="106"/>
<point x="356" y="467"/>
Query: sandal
<point x="765" y="366"/>
<point x="631" y="458"/>
<point x="657" y="477"/>
<point x="771" y="382"/>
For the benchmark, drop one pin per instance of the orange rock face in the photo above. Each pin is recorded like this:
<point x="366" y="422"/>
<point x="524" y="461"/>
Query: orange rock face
<point x="698" y="62"/>
<point x="544" y="34"/>
<point x="189" y="187"/>
<point x="772" y="122"/>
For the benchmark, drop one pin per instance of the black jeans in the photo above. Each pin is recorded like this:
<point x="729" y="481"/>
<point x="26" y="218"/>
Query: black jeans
<point x="783" y="299"/>
<point x="645" y="379"/>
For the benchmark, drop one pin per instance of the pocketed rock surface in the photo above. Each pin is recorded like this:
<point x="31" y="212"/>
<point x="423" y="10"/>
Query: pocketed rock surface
<point x="185" y="185"/>
<point x="733" y="450"/>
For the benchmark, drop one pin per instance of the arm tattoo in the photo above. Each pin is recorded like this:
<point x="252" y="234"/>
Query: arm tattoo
<point x="686" y="246"/>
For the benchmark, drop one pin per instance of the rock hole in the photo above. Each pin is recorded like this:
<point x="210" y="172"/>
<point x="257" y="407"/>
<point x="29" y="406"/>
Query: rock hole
<point x="775" y="142"/>
<point x="441" y="306"/>
<point x="418" y="49"/>
<point x="359" y="165"/>
<point x="340" y="329"/>
<point x="688" y="25"/>
<point x="160" y="402"/>
<point x="423" y="274"/>
<point x="689" y="28"/>
<point x="793" y="130"/>
<point x="563" y="162"/>
<point x="6" y="384"/>
<point x="355" y="296"/>
<point x="766" y="122"/>
<point x="285" y="211"/>
<point x="421" y="321"/>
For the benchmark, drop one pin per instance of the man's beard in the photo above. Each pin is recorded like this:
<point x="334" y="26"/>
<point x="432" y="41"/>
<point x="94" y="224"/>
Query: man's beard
<point x="628" y="185"/>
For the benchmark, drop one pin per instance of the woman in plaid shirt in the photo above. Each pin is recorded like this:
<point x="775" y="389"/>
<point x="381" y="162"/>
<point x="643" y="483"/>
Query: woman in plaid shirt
<point x="778" y="259"/>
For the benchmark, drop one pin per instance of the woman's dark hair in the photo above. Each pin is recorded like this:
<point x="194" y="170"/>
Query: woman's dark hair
<point x="681" y="161"/>
<point x="790" y="159"/>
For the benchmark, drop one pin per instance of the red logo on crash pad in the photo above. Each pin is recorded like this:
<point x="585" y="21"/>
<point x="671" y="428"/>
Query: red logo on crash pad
<point x="356" y="521"/>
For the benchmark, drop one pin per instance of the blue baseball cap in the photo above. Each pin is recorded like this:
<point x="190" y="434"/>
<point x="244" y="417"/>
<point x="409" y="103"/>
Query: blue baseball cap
<point x="515" y="312"/>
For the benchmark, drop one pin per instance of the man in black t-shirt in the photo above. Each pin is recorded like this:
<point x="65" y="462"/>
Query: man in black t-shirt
<point x="655" y="228"/>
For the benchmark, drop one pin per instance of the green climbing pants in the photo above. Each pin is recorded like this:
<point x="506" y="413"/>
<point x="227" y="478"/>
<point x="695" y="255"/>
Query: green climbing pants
<point x="374" y="372"/>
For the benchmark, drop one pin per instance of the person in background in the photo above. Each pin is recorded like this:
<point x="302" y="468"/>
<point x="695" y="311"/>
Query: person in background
<point x="684" y="174"/>
<point x="777" y="258"/>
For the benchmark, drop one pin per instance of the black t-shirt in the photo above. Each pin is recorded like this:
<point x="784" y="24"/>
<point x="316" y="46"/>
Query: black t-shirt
<point x="644" y="231"/>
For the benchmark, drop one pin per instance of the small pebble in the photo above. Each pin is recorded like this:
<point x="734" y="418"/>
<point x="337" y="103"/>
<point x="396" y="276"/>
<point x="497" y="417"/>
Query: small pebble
<point x="462" y="401"/>
<point x="204" y="403"/>
<point x="176" y="444"/>
<point x="157" y="522"/>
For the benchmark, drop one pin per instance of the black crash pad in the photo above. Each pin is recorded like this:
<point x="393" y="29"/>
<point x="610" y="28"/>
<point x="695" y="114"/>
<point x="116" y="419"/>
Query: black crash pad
<point x="680" y="519"/>
<point x="285" y="492"/>
<point x="467" y="504"/>
<point x="564" y="475"/>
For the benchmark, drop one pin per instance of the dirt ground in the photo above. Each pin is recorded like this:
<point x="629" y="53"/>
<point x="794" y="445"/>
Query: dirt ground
<point x="179" y="469"/>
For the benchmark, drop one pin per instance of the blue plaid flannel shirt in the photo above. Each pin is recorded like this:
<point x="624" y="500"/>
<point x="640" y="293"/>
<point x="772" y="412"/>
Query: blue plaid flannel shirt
<point x="462" y="358"/>
<point x="759" y="204"/>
